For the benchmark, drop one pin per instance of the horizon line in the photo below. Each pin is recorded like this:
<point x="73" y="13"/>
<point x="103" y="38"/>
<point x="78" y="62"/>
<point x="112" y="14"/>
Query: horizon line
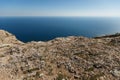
<point x="53" y="16"/>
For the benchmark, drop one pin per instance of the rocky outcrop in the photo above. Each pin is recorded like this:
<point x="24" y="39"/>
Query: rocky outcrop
<point x="70" y="58"/>
<point x="7" y="38"/>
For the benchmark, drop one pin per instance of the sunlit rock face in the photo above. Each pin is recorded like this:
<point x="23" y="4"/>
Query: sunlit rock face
<point x="70" y="58"/>
<point x="7" y="38"/>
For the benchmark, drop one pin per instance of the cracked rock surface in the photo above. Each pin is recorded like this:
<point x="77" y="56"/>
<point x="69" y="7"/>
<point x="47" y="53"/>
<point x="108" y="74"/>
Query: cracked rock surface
<point x="70" y="58"/>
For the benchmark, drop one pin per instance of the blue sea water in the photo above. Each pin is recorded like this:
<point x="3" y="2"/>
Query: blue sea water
<point x="47" y="28"/>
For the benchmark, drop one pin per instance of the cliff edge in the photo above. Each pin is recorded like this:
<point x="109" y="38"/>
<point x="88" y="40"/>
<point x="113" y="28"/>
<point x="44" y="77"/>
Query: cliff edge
<point x="70" y="58"/>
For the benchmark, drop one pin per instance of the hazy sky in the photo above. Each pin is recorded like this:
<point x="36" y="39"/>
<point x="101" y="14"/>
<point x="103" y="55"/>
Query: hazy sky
<point x="59" y="7"/>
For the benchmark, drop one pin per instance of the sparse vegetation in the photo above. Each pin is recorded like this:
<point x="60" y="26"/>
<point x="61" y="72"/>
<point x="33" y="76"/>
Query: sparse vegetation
<point x="90" y="69"/>
<point x="30" y="70"/>
<point x="61" y="77"/>
<point x="71" y="58"/>
<point x="1" y="55"/>
<point x="95" y="77"/>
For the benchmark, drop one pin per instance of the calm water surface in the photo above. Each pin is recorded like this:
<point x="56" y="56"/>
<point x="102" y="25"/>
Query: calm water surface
<point x="47" y="28"/>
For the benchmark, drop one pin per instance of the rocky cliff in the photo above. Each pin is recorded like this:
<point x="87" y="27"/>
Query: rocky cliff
<point x="70" y="58"/>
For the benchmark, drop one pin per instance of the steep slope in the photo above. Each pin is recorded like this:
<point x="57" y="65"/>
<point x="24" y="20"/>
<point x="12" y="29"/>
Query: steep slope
<point x="70" y="58"/>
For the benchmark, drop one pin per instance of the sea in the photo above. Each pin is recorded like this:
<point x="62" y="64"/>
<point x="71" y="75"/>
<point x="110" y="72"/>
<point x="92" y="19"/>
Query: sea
<point x="29" y="29"/>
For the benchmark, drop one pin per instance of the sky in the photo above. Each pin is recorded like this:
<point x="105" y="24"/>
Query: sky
<point x="60" y="8"/>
